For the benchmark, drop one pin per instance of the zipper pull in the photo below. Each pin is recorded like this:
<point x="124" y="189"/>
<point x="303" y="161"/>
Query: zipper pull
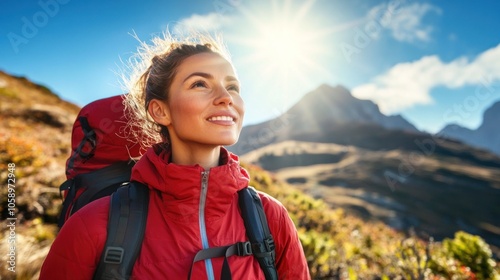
<point x="204" y="178"/>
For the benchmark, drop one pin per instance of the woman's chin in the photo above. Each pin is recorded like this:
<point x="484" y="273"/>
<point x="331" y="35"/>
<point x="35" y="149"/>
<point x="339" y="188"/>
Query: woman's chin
<point x="227" y="140"/>
<point x="228" y="143"/>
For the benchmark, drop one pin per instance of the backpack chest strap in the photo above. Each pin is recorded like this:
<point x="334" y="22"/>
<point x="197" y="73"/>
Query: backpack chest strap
<point x="241" y="249"/>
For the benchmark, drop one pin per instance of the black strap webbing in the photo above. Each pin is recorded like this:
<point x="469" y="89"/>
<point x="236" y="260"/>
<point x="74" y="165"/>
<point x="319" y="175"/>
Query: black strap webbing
<point x="258" y="231"/>
<point x="240" y="248"/>
<point x="68" y="185"/>
<point x="89" y="136"/>
<point x="96" y="181"/>
<point x="95" y="184"/>
<point x="126" y="226"/>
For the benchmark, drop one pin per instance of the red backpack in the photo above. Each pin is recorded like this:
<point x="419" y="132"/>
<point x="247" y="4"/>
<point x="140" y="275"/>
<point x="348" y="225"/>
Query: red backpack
<point x="102" y="155"/>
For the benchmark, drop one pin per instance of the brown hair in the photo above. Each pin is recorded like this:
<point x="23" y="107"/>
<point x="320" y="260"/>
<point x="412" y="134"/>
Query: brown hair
<point x="153" y="70"/>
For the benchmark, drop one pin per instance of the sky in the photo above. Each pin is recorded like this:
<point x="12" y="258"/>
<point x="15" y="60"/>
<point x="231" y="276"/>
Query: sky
<point x="433" y="62"/>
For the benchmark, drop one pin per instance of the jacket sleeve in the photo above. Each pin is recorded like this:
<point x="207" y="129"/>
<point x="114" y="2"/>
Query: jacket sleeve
<point x="291" y="262"/>
<point x="77" y="249"/>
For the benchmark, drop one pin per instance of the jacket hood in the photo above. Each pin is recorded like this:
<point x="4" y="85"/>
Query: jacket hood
<point x="180" y="186"/>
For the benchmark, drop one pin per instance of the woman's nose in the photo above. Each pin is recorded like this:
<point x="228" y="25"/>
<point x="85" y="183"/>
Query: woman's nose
<point x="223" y="96"/>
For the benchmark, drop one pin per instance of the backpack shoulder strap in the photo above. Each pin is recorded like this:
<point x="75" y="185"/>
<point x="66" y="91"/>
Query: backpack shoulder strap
<point x="128" y="214"/>
<point x="258" y="231"/>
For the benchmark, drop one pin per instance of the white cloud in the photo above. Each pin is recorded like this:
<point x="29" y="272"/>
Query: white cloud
<point x="404" y="21"/>
<point x="196" y="22"/>
<point x="408" y="84"/>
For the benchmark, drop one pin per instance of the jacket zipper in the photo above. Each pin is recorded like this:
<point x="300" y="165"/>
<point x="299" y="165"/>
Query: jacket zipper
<point x="203" y="229"/>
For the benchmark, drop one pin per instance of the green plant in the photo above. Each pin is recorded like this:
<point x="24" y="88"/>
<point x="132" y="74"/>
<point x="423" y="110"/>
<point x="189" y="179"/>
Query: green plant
<point x="471" y="251"/>
<point x="414" y="258"/>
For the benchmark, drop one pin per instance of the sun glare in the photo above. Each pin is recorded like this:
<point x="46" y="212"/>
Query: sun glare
<point x="285" y="47"/>
<point x="283" y="51"/>
<point x="282" y="45"/>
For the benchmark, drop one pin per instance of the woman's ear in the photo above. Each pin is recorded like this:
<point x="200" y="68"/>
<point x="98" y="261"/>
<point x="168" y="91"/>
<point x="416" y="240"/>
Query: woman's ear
<point x="159" y="111"/>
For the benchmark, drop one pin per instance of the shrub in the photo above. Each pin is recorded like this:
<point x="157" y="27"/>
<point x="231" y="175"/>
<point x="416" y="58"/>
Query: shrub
<point x="473" y="253"/>
<point x="20" y="152"/>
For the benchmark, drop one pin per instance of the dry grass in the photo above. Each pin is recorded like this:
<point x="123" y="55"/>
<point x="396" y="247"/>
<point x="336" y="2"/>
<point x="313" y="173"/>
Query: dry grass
<point x="32" y="245"/>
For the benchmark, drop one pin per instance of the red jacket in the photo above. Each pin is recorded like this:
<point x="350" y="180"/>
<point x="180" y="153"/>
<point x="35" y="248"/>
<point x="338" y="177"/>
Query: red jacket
<point x="183" y="218"/>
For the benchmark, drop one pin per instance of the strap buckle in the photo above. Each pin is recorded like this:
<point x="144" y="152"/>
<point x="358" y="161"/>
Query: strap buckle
<point x="114" y="255"/>
<point x="244" y="248"/>
<point x="269" y="243"/>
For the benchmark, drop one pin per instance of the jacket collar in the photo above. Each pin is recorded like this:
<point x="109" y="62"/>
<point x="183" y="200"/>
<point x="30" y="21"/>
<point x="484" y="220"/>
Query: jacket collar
<point x="180" y="185"/>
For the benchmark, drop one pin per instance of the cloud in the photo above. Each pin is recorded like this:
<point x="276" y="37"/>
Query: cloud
<point x="409" y="84"/>
<point x="405" y="21"/>
<point x="209" y="22"/>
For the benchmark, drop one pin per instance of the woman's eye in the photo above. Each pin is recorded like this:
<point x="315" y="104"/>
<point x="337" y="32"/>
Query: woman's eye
<point x="198" y="84"/>
<point x="234" y="88"/>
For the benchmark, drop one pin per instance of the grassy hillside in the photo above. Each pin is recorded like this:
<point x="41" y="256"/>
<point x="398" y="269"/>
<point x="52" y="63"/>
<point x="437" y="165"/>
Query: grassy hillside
<point x="35" y="128"/>
<point x="342" y="246"/>
<point x="434" y="194"/>
<point x="35" y="136"/>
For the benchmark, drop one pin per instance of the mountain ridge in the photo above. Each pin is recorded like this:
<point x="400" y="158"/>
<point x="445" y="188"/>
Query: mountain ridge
<point x="338" y="105"/>
<point x="326" y="107"/>
<point x="486" y="136"/>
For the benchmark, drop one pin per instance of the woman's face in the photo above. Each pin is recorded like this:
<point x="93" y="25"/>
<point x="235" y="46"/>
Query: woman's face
<point x="204" y="105"/>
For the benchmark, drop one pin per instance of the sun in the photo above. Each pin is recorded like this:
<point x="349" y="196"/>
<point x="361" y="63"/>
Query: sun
<point x="282" y="45"/>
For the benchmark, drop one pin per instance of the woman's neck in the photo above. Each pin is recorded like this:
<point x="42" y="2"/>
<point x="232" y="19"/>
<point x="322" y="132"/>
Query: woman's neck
<point x="205" y="156"/>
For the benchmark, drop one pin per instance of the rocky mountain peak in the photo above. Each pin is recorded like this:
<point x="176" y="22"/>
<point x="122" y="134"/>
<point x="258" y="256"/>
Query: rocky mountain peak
<point x="327" y="105"/>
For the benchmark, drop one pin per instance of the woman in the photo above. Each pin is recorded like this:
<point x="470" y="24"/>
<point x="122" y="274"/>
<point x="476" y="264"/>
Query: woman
<point x="187" y="98"/>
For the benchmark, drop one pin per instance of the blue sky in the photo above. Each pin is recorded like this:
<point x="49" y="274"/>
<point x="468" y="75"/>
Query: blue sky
<point x="434" y="62"/>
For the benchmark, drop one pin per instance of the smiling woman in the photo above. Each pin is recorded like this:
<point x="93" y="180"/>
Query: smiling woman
<point x="185" y="95"/>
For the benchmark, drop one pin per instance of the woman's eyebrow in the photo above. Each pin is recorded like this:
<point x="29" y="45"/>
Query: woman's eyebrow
<point x="231" y="79"/>
<point x="210" y="76"/>
<point x="201" y="74"/>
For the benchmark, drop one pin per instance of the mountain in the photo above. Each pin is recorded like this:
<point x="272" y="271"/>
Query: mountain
<point x="486" y="136"/>
<point x="336" y="105"/>
<point x="324" y="108"/>
<point x="454" y="187"/>
<point x="344" y="151"/>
